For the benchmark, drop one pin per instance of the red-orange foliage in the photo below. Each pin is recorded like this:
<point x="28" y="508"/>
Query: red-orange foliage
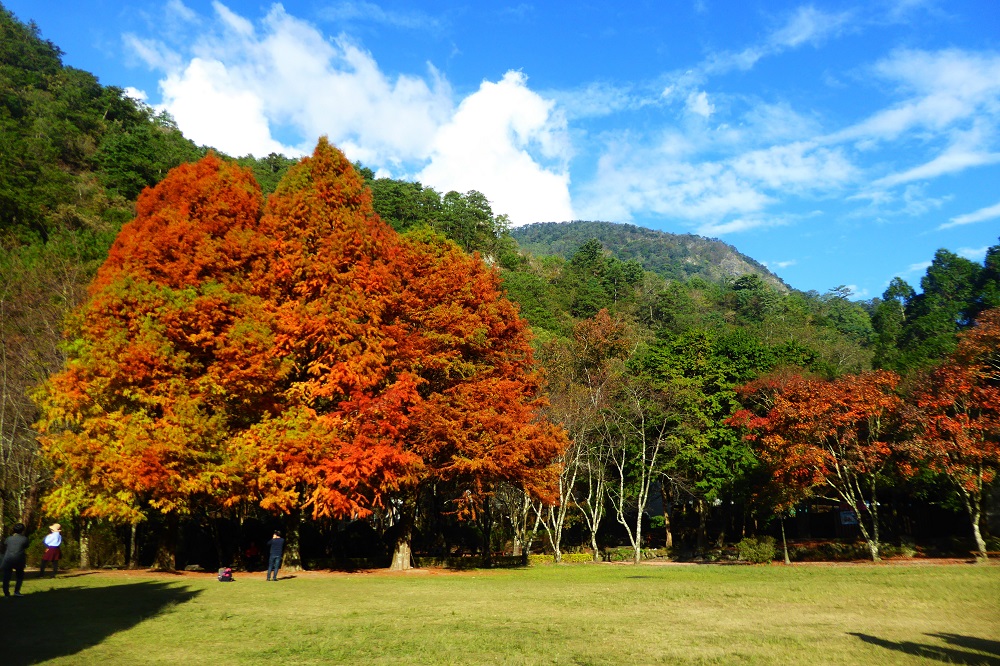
<point x="474" y="416"/>
<point x="162" y="353"/>
<point x="410" y="364"/>
<point x="304" y="356"/>
<point x="957" y="416"/>
<point x="834" y="434"/>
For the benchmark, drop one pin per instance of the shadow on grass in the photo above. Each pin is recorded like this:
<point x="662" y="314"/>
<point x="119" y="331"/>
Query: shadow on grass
<point x="62" y="622"/>
<point x="949" y="655"/>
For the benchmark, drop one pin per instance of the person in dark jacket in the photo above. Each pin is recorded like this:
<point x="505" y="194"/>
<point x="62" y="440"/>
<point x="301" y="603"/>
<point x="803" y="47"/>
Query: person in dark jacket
<point x="275" y="547"/>
<point x="14" y="559"/>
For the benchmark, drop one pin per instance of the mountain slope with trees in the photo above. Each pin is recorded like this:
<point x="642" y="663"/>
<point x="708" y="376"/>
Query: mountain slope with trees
<point x="671" y="256"/>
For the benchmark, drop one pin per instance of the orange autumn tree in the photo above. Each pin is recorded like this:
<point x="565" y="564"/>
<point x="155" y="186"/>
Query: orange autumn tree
<point x="472" y="418"/>
<point x="328" y="280"/>
<point x="835" y="435"/>
<point x="166" y="353"/>
<point x="304" y="357"/>
<point x="956" y="422"/>
<point x="410" y="365"/>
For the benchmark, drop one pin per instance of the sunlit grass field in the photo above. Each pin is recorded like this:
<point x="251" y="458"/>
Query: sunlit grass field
<point x="573" y="614"/>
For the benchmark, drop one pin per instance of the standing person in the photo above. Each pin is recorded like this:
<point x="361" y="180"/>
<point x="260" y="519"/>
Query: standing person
<point x="53" y="540"/>
<point x="275" y="546"/>
<point x="14" y="559"/>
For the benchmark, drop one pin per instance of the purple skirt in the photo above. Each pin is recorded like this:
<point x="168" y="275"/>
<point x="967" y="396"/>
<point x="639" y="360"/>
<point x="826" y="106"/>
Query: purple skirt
<point x="52" y="554"/>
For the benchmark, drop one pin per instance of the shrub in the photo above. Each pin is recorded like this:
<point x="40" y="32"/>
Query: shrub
<point x="627" y="554"/>
<point x="759" y="550"/>
<point x="567" y="558"/>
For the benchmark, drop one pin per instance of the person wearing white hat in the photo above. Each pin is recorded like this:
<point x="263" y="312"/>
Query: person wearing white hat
<point x="53" y="540"/>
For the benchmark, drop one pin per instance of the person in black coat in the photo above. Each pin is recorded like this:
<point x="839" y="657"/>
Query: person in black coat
<point x="14" y="558"/>
<point x="275" y="548"/>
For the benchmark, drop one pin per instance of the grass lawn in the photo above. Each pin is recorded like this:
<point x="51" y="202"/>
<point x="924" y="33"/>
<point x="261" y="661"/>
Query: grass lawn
<point x="574" y="614"/>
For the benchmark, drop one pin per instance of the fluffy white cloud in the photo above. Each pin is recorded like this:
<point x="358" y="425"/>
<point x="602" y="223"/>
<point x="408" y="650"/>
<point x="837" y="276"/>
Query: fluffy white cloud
<point x="488" y="145"/>
<point x="212" y="109"/>
<point x="698" y="103"/>
<point x="240" y="86"/>
<point x="634" y="179"/>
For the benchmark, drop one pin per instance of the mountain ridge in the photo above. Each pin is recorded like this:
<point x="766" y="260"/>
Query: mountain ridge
<point x="671" y="256"/>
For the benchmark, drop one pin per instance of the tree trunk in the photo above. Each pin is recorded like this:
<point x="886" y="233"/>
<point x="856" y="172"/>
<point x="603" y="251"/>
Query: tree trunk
<point x="166" y="546"/>
<point x="402" y="554"/>
<point x="292" y="557"/>
<point x="220" y="555"/>
<point x="667" y="509"/>
<point x="702" y="526"/>
<point x="637" y="555"/>
<point x="133" y="555"/>
<point x="84" y="544"/>
<point x="784" y="543"/>
<point x="487" y="533"/>
<point x="973" y="507"/>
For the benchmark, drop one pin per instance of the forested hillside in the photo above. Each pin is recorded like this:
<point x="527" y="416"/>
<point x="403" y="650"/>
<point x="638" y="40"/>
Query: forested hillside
<point x="359" y="380"/>
<point x="671" y="256"/>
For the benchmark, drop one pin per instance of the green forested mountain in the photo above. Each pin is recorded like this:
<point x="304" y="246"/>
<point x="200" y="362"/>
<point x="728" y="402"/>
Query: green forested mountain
<point x="671" y="256"/>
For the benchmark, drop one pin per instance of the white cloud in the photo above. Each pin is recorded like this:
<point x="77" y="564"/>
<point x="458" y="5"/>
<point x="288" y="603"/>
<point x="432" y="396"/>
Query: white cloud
<point x="178" y="10"/>
<point x="599" y="99"/>
<point x="981" y="215"/>
<point x="213" y="109"/>
<point x="809" y="25"/>
<point x="973" y="253"/>
<point x="900" y="10"/>
<point x="950" y="161"/>
<point x="698" y="103"/>
<point x="486" y="144"/>
<point x="782" y="264"/>
<point x="778" y="122"/>
<point x="659" y="180"/>
<point x="153" y="53"/>
<point x="713" y="229"/>
<point x="798" y="164"/>
<point x="917" y="268"/>
<point x="943" y="88"/>
<point x="135" y="93"/>
<point x="241" y="85"/>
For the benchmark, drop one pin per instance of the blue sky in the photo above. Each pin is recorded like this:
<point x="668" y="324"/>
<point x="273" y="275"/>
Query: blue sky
<point x="840" y="143"/>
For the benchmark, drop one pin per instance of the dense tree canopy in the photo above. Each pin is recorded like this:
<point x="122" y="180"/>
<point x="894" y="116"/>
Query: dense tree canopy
<point x="303" y="356"/>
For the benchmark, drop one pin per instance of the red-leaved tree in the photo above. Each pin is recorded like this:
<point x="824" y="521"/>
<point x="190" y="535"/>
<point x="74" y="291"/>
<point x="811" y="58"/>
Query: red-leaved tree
<point x="304" y="357"/>
<point x="834" y="435"/>
<point x="956" y="422"/>
<point x="410" y="366"/>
